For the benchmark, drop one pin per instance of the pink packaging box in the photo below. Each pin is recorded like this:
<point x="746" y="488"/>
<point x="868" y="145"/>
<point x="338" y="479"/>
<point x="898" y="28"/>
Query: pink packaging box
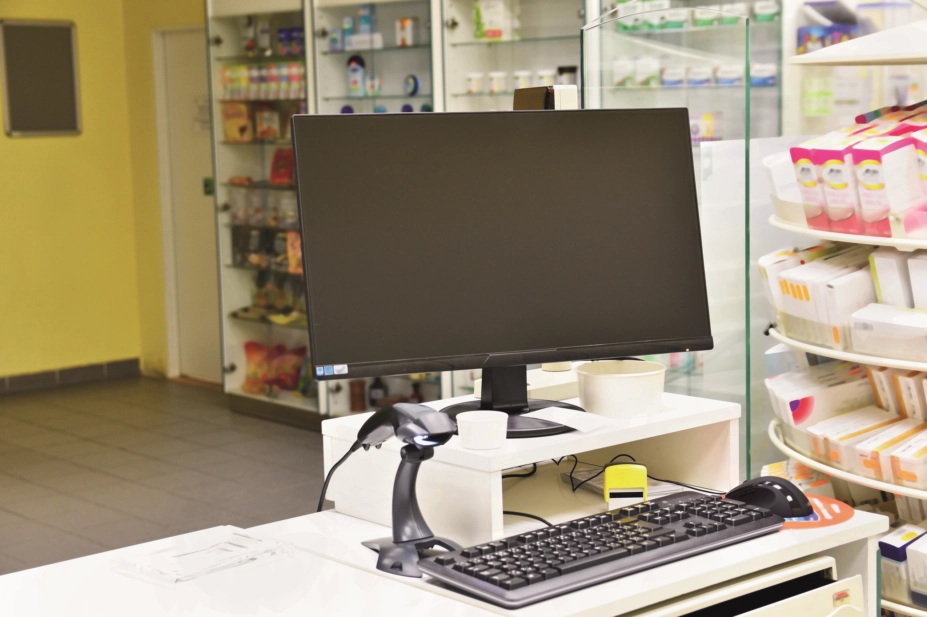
<point x="920" y="147"/>
<point x="892" y="201"/>
<point x="916" y="122"/>
<point x="808" y="176"/>
<point x="835" y="162"/>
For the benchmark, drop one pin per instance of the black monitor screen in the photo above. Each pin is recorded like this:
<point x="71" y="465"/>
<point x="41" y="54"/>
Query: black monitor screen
<point x="449" y="241"/>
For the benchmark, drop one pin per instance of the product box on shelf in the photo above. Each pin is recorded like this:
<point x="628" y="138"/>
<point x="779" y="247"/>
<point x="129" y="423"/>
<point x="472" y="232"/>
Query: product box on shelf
<point x="891" y="198"/>
<point x="909" y="463"/>
<point x="782" y="358"/>
<point x="881" y="379"/>
<point x="497" y="19"/>
<point x="809" y="183"/>
<point x="895" y="549"/>
<point x="917" y="273"/>
<point x="909" y="390"/>
<point x="805" y="398"/>
<point x="920" y="147"/>
<point x="630" y="16"/>
<point x="765" y="10"/>
<point x="708" y="15"/>
<point x="917" y="571"/>
<point x="808" y="481"/>
<point x="835" y="163"/>
<point x="890" y="332"/>
<point x="873" y="455"/>
<point x="654" y="17"/>
<point x="833" y="441"/>
<point x="236" y="123"/>
<point x="910" y="510"/>
<point x="891" y="277"/>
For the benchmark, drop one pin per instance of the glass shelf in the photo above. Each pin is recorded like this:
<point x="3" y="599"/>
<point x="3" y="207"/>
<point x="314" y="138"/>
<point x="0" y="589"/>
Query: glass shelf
<point x="266" y="186"/>
<point x="259" y="142"/>
<point x="738" y="88"/>
<point x="379" y="96"/>
<point x="256" y="269"/>
<point x="534" y="39"/>
<point x="500" y="93"/>
<point x="261" y="59"/>
<point x="733" y="28"/>
<point x="304" y="327"/>
<point x="376" y="50"/>
<point x="267" y="227"/>
<point x="300" y="99"/>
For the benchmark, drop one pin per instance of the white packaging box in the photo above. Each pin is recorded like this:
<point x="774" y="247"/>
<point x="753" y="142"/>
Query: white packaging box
<point x="909" y="463"/>
<point x="655" y="14"/>
<point x="917" y="271"/>
<point x="781" y="359"/>
<point x="806" y="398"/>
<point x="909" y="391"/>
<point x="772" y="264"/>
<point x="895" y="549"/>
<point x="889" y="332"/>
<point x="360" y="42"/>
<point x="835" y="440"/>
<point x="917" y="572"/>
<point x="873" y="455"/>
<point x="891" y="278"/>
<point x="782" y="177"/>
<point x="881" y="380"/>
<point x="843" y="296"/>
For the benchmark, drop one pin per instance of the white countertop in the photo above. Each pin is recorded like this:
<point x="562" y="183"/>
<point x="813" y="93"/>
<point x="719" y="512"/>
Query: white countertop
<point x="680" y="413"/>
<point x="338" y="537"/>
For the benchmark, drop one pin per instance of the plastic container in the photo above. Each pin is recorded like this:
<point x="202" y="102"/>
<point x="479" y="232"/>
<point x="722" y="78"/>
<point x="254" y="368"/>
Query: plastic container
<point x="498" y="81"/>
<point x="482" y="430"/>
<point x="621" y="388"/>
<point x="474" y="83"/>
<point x="522" y="79"/>
<point x="546" y="77"/>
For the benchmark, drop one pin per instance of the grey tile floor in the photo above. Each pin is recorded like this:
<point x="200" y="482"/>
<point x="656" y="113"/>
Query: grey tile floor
<point x="90" y="468"/>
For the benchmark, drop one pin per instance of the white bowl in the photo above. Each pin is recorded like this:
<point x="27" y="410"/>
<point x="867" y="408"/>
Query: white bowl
<point x="621" y="388"/>
<point x="482" y="429"/>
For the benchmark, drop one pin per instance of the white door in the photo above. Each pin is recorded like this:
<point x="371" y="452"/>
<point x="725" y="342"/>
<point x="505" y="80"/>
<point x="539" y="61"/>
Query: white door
<point x="186" y="159"/>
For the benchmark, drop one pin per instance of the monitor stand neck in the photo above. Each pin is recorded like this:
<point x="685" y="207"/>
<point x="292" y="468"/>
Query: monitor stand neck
<point x="505" y="389"/>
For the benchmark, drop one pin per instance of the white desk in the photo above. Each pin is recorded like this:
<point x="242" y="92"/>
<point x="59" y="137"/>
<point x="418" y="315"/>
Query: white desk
<point x="332" y="575"/>
<point x="338" y="538"/>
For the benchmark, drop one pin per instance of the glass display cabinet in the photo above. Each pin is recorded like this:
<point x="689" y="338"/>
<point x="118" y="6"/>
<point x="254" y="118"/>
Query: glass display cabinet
<point x="700" y="59"/>
<point x="493" y="47"/>
<point x="260" y="78"/>
<point x="374" y="57"/>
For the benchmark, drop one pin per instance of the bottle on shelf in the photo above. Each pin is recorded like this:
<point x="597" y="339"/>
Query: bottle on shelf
<point x="377" y="392"/>
<point x="416" y="396"/>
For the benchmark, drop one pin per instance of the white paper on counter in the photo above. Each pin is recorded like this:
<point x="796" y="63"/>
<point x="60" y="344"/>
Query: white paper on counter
<point x="578" y="420"/>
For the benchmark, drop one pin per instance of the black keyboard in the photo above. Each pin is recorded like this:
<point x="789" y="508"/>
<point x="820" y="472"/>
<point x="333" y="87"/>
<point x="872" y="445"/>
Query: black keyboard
<point x="549" y="562"/>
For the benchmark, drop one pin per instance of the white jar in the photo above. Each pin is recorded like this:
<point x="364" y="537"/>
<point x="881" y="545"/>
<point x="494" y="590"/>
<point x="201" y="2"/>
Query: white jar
<point x="621" y="388"/>
<point x="546" y="77"/>
<point x="522" y="79"/>
<point x="474" y="83"/>
<point x="497" y="81"/>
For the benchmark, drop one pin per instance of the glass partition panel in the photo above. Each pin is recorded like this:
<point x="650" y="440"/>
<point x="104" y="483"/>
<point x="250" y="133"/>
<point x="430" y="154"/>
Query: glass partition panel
<point x="699" y="59"/>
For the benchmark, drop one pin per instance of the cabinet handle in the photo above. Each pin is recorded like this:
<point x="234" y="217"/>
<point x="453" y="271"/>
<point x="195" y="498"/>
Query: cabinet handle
<point x="321" y="33"/>
<point x="231" y="368"/>
<point x="223" y="208"/>
<point x="581" y="13"/>
<point x="451" y="23"/>
<point x="216" y="41"/>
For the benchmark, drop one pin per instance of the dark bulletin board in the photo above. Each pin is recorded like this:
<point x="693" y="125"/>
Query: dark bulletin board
<point x="40" y="90"/>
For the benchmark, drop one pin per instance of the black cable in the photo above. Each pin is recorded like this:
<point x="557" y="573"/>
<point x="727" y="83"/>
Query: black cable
<point x="354" y="448"/>
<point x="691" y="486"/>
<point x="534" y="470"/>
<point x="526" y="515"/>
<point x="601" y="471"/>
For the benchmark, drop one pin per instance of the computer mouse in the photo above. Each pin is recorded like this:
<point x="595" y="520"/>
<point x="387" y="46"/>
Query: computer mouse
<point x="776" y="494"/>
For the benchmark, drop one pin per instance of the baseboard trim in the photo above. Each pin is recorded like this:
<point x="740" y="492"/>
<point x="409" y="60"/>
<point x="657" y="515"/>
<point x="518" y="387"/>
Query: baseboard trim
<point x="269" y="410"/>
<point x="72" y="376"/>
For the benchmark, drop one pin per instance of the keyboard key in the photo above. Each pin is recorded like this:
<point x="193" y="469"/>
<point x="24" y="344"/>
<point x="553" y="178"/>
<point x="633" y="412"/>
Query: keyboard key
<point x="647" y="516"/>
<point x="534" y="577"/>
<point x="595" y="560"/>
<point x="679" y="537"/>
<point x="647" y="506"/>
<point x="634" y="549"/>
<point x="550" y="573"/>
<point x="495" y="563"/>
<point x="527" y="537"/>
<point x="513" y="583"/>
<point x="690" y="524"/>
<point x="509" y="567"/>
<point x="740" y="519"/>
<point x="445" y="560"/>
<point x="663" y="540"/>
<point x="460" y="566"/>
<point x="718" y="516"/>
<point x="484" y="575"/>
<point x="554" y="562"/>
<point x="711" y="527"/>
<point x="580" y="524"/>
<point x="696" y="531"/>
<point x="630" y="511"/>
<point x="470" y="552"/>
<point x="554" y="532"/>
<point x="497" y="546"/>
<point x="674" y="517"/>
<point x="603" y="518"/>
<point x="516" y="573"/>
<point x="649" y="545"/>
<point x="498" y="578"/>
<point x="475" y="570"/>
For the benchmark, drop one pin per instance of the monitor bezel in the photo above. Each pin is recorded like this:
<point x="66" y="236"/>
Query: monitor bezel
<point x="604" y="351"/>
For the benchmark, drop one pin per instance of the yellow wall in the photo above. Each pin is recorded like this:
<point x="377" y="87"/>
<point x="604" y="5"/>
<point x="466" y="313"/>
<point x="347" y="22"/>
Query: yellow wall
<point x="142" y="17"/>
<point x="68" y="292"/>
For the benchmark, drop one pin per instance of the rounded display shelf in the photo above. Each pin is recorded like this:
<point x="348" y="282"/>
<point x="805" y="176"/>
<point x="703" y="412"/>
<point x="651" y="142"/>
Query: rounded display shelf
<point x="902" y="244"/>
<point x="848" y="356"/>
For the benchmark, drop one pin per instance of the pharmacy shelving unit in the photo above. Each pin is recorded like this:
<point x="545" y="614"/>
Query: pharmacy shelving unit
<point x="396" y="69"/>
<point x="253" y="98"/>
<point x="903" y="46"/>
<point x="492" y="48"/>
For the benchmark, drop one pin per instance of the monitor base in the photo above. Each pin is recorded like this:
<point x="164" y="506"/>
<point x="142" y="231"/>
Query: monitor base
<point x="519" y="426"/>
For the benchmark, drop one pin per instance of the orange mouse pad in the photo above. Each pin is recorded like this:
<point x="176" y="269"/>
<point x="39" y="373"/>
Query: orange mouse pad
<point x="827" y="512"/>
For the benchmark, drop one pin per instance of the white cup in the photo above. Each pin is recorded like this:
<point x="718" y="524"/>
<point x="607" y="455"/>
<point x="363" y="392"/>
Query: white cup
<point x="621" y="388"/>
<point x="482" y="430"/>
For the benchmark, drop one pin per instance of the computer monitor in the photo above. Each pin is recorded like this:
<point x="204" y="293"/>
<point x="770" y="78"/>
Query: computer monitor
<point x="438" y="242"/>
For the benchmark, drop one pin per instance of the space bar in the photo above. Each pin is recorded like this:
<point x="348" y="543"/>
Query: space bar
<point x="593" y="560"/>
